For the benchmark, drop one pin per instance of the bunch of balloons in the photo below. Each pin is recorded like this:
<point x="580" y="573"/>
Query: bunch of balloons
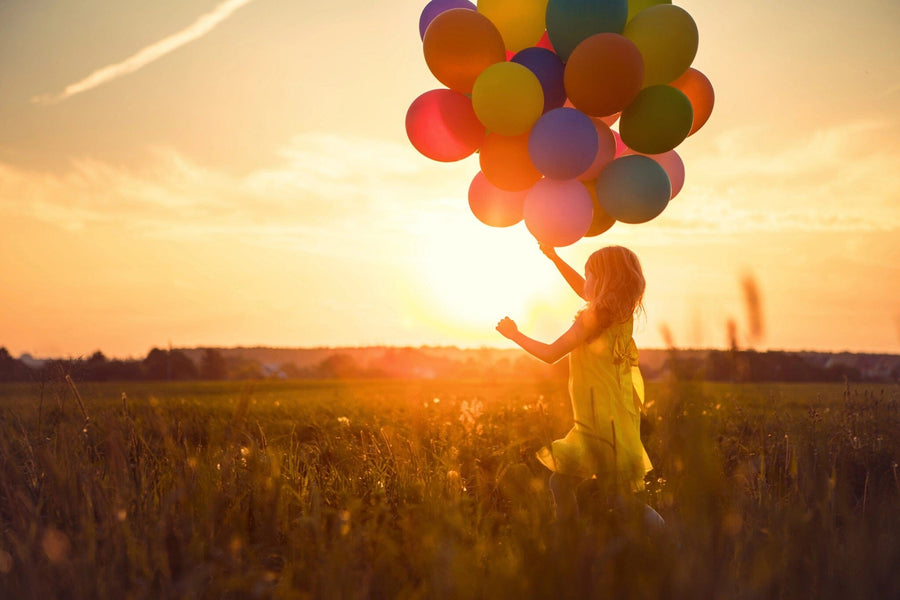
<point x="536" y="87"/>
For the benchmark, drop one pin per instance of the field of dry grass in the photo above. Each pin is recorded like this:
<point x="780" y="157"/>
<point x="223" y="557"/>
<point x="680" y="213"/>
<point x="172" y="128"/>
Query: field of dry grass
<point x="391" y="489"/>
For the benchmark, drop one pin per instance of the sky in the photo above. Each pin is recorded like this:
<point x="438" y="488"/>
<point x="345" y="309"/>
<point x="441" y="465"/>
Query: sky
<point x="237" y="172"/>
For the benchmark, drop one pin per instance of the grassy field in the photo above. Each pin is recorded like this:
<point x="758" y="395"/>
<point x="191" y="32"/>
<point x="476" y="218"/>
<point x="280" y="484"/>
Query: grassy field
<point x="391" y="489"/>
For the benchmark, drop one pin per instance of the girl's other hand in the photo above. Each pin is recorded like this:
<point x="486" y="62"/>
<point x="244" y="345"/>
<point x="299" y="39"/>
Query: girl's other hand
<point x="507" y="327"/>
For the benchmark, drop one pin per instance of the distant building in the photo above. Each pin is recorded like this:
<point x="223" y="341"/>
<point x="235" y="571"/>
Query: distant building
<point x="32" y="362"/>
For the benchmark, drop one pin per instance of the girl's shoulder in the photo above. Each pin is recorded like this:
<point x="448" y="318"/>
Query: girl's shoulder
<point x="592" y="324"/>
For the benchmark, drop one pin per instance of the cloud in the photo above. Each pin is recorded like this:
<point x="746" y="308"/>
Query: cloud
<point x="840" y="178"/>
<point x="325" y="187"/>
<point x="147" y="55"/>
<point x="328" y="190"/>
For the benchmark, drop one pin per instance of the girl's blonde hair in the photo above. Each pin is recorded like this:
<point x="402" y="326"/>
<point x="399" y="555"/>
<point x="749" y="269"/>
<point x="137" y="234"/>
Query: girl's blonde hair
<point x="619" y="285"/>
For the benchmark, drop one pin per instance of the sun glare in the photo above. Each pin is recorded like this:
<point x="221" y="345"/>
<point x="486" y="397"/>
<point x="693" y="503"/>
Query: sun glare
<point x="473" y="275"/>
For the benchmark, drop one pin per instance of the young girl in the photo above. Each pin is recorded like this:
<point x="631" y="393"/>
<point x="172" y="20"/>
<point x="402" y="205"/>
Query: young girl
<point x="605" y="385"/>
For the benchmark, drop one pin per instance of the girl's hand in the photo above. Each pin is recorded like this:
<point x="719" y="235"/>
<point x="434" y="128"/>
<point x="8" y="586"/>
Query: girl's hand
<point x="507" y="327"/>
<point x="549" y="251"/>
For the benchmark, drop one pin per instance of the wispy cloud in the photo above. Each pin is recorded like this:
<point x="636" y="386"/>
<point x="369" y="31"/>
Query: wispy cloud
<point x="147" y="55"/>
<point x="753" y="179"/>
<point x="326" y="187"/>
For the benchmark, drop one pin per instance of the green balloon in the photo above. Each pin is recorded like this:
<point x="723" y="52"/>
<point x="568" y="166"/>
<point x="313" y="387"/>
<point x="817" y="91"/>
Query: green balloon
<point x="569" y="22"/>
<point x="657" y="120"/>
<point x="636" y="6"/>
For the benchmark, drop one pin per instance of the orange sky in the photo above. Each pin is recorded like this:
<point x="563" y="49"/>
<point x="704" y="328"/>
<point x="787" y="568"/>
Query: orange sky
<point x="236" y="172"/>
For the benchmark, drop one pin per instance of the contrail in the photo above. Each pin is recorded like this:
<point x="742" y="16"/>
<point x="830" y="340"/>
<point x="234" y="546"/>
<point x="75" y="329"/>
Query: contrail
<point x="145" y="56"/>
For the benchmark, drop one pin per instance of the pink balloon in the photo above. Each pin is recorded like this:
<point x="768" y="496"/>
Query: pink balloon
<point x="493" y="206"/>
<point x="672" y="165"/>
<point x="442" y="125"/>
<point x="558" y="213"/>
<point x="621" y="148"/>
<point x="606" y="151"/>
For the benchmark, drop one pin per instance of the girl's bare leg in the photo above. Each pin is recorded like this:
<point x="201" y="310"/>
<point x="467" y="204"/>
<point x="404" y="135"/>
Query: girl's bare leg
<point x="563" y="488"/>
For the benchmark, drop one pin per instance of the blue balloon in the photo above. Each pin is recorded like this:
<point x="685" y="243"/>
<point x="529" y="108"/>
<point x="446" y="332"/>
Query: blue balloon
<point x="571" y="21"/>
<point x="549" y="70"/>
<point x="563" y="143"/>
<point x="436" y="7"/>
<point x="633" y="189"/>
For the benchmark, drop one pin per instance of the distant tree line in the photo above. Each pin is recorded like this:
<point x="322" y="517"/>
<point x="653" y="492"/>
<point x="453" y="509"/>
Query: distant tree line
<point x="412" y="363"/>
<point x="771" y="366"/>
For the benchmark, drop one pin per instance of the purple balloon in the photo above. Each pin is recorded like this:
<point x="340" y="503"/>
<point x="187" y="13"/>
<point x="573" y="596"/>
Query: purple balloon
<point x="550" y="71"/>
<point x="436" y="7"/>
<point x="563" y="143"/>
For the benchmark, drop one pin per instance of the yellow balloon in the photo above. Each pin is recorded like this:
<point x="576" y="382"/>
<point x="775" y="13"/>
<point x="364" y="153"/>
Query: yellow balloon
<point x="667" y="37"/>
<point x="521" y="22"/>
<point x="507" y="98"/>
<point x="636" y="6"/>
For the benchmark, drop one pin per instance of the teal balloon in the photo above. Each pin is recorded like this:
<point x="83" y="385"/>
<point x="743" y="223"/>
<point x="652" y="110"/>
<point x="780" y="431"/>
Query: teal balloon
<point x="571" y="21"/>
<point x="657" y="120"/>
<point x="633" y="189"/>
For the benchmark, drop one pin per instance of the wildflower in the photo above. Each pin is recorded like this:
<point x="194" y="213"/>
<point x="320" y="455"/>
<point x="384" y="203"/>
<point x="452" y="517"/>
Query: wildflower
<point x="55" y="545"/>
<point x="344" y="520"/>
<point x="455" y="483"/>
<point x="343" y="421"/>
<point x="469" y="413"/>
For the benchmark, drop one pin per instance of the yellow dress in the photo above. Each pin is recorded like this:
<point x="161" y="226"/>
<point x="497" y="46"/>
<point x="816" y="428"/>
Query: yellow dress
<point x="607" y="393"/>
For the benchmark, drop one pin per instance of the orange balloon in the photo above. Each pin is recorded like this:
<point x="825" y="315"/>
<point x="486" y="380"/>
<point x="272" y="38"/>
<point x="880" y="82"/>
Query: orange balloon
<point x="699" y="91"/>
<point x="459" y="44"/>
<point x="604" y="74"/>
<point x="505" y="162"/>
<point x="601" y="221"/>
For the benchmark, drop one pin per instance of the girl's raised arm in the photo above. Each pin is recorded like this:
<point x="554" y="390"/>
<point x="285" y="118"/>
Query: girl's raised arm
<point x="572" y="277"/>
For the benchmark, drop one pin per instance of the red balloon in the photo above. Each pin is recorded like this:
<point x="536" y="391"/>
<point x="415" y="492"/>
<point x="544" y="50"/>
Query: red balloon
<point x="604" y="74"/>
<point x="544" y="42"/>
<point x="699" y="91"/>
<point x="442" y="125"/>
<point x="493" y="206"/>
<point x="506" y="163"/>
<point x="606" y="150"/>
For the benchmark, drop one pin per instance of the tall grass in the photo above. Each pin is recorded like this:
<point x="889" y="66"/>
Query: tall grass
<point x="431" y="490"/>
